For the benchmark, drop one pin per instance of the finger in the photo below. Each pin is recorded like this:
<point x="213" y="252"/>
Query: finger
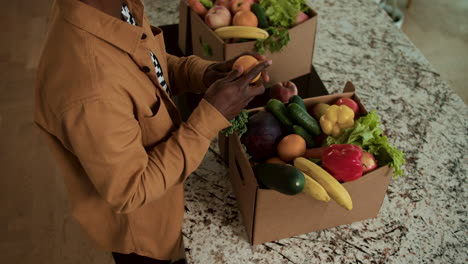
<point x="257" y="89"/>
<point x="265" y="77"/>
<point x="252" y="74"/>
<point x="233" y="74"/>
<point x="259" y="57"/>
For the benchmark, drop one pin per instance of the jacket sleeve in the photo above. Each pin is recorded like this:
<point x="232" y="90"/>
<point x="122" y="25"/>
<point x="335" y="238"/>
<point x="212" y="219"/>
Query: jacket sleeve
<point x="107" y="140"/>
<point x="186" y="73"/>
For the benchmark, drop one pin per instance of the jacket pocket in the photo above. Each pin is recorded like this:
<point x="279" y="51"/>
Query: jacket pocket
<point x="156" y="127"/>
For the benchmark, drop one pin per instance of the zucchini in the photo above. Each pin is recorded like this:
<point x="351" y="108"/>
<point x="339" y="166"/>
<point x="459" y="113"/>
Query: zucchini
<point x="300" y="116"/>
<point x="298" y="100"/>
<point x="278" y="109"/>
<point x="305" y="135"/>
<point x="285" y="179"/>
<point x="260" y="13"/>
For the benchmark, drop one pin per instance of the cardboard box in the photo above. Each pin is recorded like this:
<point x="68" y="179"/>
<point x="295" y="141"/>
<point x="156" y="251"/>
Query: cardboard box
<point x="185" y="36"/>
<point x="293" y="61"/>
<point x="269" y="215"/>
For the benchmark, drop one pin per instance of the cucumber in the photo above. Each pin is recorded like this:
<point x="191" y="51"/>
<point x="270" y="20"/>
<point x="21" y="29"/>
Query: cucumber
<point x="285" y="179"/>
<point x="278" y="109"/>
<point x="305" y="135"/>
<point x="260" y="13"/>
<point x="298" y="100"/>
<point x="300" y="116"/>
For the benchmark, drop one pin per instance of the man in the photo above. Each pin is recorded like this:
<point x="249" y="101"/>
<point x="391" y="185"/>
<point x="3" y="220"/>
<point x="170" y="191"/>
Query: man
<point x="103" y="100"/>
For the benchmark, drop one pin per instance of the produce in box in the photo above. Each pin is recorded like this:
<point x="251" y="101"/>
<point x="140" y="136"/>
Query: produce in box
<point x="266" y="21"/>
<point x="344" y="156"/>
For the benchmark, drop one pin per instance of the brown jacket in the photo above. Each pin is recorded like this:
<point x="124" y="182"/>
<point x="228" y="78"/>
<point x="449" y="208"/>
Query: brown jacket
<point x="114" y="131"/>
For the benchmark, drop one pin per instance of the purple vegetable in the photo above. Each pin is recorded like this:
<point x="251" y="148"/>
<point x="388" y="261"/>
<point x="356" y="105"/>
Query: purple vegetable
<point x="263" y="134"/>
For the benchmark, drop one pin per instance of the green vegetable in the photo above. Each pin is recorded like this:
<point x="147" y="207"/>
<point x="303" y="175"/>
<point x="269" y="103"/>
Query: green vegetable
<point x="278" y="109"/>
<point x="298" y="130"/>
<point x="282" y="13"/>
<point x="207" y="3"/>
<point x="298" y="100"/>
<point x="367" y="134"/>
<point x="301" y="117"/>
<point x="260" y="13"/>
<point x="238" y="124"/>
<point x="280" y="177"/>
<point x="279" y="38"/>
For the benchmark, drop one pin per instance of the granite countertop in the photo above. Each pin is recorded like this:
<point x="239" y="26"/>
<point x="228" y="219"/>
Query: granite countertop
<point x="423" y="218"/>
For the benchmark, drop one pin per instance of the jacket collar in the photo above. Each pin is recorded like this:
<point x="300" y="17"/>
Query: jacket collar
<point x="115" y="31"/>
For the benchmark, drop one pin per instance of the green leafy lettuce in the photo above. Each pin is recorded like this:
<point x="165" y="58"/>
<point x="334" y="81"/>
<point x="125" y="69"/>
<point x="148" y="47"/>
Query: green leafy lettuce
<point x="282" y="13"/>
<point x="279" y="38"/>
<point x="238" y="124"/>
<point x="367" y="134"/>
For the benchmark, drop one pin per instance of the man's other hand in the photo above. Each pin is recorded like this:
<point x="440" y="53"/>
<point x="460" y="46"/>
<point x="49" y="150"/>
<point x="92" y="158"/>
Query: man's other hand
<point x="220" y="70"/>
<point x="232" y="93"/>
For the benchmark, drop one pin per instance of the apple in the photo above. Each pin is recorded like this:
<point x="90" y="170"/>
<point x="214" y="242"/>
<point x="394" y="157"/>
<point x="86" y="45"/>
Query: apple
<point x="240" y="5"/>
<point x="349" y="103"/>
<point x="368" y="162"/>
<point x="218" y="16"/>
<point x="318" y="110"/>
<point x="283" y="91"/>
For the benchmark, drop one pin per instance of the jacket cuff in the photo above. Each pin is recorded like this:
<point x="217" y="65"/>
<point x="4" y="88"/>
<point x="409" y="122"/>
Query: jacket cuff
<point x="200" y="66"/>
<point x="207" y="120"/>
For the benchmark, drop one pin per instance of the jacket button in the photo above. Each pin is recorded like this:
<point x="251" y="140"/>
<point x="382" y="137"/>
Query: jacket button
<point x="143" y="36"/>
<point x="145" y="69"/>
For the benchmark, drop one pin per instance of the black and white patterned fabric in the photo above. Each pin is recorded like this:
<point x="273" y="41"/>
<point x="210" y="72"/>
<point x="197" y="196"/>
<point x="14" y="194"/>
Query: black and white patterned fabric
<point x="127" y="16"/>
<point x="159" y="72"/>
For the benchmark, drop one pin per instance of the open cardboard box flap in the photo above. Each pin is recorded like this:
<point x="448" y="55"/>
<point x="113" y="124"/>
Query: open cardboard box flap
<point x="269" y="215"/>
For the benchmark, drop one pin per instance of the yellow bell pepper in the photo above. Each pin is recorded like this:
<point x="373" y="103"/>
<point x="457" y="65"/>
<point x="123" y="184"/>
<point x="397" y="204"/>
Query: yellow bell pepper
<point x="336" y="119"/>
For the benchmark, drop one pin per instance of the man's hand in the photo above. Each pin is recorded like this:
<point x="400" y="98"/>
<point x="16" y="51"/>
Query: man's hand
<point x="232" y="93"/>
<point x="220" y="70"/>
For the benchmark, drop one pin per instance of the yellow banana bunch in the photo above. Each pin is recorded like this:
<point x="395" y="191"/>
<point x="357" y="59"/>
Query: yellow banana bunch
<point x="245" y="32"/>
<point x="328" y="182"/>
<point x="314" y="189"/>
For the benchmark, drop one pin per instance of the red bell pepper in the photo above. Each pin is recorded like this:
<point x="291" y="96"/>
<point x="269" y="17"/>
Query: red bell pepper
<point x="343" y="161"/>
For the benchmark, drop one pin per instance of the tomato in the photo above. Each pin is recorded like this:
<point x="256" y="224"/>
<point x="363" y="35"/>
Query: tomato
<point x="349" y="103"/>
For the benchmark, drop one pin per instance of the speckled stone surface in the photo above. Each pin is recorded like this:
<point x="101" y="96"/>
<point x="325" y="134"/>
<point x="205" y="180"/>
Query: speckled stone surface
<point x="423" y="217"/>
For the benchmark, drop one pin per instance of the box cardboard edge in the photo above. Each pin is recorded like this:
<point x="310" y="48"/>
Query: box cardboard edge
<point x="184" y="26"/>
<point x="348" y="91"/>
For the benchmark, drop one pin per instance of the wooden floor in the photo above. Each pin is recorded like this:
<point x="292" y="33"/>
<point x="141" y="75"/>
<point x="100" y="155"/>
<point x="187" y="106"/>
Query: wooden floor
<point x="35" y="225"/>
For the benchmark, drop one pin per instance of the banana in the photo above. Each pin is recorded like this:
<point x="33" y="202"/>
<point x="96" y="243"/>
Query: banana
<point x="314" y="189"/>
<point x="330" y="184"/>
<point x="241" y="32"/>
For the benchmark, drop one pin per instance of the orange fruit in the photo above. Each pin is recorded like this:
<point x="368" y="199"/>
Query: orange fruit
<point x="291" y="147"/>
<point x="245" y="18"/>
<point x="247" y="62"/>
